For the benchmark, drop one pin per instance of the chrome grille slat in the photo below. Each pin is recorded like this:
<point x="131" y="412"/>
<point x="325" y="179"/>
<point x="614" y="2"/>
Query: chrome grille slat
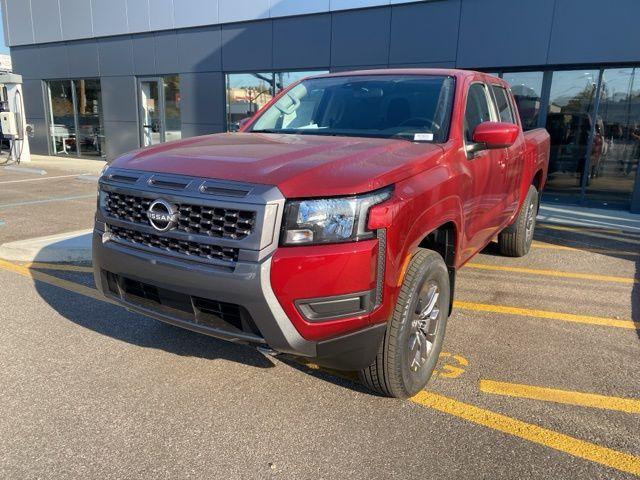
<point x="214" y="222"/>
<point x="183" y="247"/>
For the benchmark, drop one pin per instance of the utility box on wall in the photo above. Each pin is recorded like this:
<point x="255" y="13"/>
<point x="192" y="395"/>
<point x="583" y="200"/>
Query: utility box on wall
<point x="8" y="124"/>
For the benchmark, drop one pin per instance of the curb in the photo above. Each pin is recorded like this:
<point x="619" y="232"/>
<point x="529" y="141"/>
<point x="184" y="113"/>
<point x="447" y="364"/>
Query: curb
<point x="62" y="248"/>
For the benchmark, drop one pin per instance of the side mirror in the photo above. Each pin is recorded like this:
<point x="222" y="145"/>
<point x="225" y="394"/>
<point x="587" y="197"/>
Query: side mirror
<point x="243" y="123"/>
<point x="496" y="134"/>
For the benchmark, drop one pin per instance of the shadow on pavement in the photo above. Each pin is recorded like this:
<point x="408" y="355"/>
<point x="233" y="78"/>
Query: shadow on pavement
<point x="120" y="324"/>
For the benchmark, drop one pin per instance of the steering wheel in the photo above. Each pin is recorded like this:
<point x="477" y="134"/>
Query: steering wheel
<point x="420" y="122"/>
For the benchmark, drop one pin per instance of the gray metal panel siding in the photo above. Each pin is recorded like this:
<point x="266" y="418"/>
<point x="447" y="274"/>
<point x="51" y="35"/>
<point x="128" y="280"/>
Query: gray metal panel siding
<point x="586" y="31"/>
<point x="76" y="19"/>
<point x="200" y="49"/>
<point x="166" y="52"/>
<point x="109" y="17"/>
<point x="54" y="60"/>
<point x="197" y="129"/>
<point x="302" y="42"/>
<point x="247" y="46"/>
<point x="504" y="33"/>
<point x="45" y="15"/>
<point x="360" y="37"/>
<point x="33" y="99"/>
<point x="424" y="32"/>
<point x="39" y="143"/>
<point x="119" y="99"/>
<point x="20" y="26"/>
<point x="116" y="55"/>
<point x="202" y="98"/>
<point x="189" y="13"/>
<point x="161" y="14"/>
<point x="83" y="58"/>
<point x="122" y="137"/>
<point x="26" y="61"/>
<point x="144" y="54"/>
<point x="137" y="16"/>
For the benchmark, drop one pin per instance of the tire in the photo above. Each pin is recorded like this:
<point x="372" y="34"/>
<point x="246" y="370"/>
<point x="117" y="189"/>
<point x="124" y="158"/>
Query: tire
<point x="515" y="240"/>
<point x="411" y="346"/>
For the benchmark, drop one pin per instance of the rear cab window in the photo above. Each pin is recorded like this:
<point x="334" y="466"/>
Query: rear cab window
<point x="503" y="104"/>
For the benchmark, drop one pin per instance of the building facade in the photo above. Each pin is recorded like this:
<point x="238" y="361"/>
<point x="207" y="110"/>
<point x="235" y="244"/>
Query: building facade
<point x="102" y="77"/>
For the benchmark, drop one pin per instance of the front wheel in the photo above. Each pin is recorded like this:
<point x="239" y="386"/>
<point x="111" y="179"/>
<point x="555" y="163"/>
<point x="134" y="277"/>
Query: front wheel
<point x="515" y="240"/>
<point x="413" y="340"/>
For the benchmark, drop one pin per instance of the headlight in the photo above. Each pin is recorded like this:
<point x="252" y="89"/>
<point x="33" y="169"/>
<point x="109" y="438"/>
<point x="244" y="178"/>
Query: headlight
<point x="329" y="220"/>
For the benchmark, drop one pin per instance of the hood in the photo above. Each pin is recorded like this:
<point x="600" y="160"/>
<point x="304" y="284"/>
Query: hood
<point x="299" y="165"/>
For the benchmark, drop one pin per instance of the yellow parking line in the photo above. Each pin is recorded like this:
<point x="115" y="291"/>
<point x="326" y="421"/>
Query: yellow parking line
<point x="628" y="405"/>
<point x="591" y="234"/>
<point x="553" y="273"/>
<point x="565" y="317"/>
<point x="57" y="266"/>
<point x="606" y="251"/>
<point x="51" y="280"/>
<point x="543" y="436"/>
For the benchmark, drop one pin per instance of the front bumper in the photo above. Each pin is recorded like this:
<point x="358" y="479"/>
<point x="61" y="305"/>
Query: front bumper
<point x="247" y="285"/>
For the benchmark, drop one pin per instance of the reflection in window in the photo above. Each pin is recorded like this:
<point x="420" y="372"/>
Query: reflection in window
<point x="527" y="90"/>
<point x="172" y="116"/>
<point x="613" y="161"/>
<point x="569" y="122"/>
<point x="75" y="118"/>
<point x="249" y="92"/>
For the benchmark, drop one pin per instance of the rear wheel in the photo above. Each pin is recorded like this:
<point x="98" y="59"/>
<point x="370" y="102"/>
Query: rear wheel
<point x="413" y="340"/>
<point x="515" y="240"/>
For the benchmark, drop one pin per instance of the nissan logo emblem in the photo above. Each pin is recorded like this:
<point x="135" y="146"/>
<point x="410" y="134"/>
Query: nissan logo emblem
<point x="162" y="215"/>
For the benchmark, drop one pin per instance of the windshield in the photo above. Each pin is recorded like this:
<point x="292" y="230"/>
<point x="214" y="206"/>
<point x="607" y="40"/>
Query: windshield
<point x="414" y="107"/>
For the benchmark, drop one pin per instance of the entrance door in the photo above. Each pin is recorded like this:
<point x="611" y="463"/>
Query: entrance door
<point x="160" y="119"/>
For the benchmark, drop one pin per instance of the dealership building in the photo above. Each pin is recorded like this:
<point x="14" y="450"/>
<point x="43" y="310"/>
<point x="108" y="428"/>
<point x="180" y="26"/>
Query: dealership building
<point x="102" y="77"/>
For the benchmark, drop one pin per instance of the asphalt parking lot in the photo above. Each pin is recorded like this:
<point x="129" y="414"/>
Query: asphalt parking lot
<point x="539" y="377"/>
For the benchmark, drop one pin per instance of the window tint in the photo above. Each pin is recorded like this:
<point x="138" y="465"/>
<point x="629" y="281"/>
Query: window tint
<point x="503" y="105"/>
<point x="477" y="110"/>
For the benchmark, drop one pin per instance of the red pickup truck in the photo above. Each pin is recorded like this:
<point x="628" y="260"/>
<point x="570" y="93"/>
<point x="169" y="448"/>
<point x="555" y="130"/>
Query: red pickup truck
<point x="332" y="226"/>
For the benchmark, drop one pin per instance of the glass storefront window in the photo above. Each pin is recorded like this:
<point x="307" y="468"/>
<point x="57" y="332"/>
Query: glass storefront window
<point x="75" y="118"/>
<point x="249" y="92"/>
<point x="160" y="116"/>
<point x="62" y="118"/>
<point x="173" y="118"/>
<point x="615" y="151"/>
<point x="527" y="91"/>
<point x="572" y="103"/>
<point x="89" y="107"/>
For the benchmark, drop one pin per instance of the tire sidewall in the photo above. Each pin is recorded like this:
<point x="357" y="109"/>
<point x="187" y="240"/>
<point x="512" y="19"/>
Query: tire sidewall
<point x="433" y="269"/>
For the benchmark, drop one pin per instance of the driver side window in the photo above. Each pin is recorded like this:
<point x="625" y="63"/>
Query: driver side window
<point x="477" y="110"/>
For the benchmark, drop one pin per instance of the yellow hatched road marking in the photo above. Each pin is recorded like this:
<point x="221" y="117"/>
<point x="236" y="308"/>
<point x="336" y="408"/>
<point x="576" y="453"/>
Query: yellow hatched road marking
<point x="565" y="317"/>
<point x="606" y="251"/>
<point x="608" y="457"/>
<point x="553" y="273"/>
<point x="628" y="405"/>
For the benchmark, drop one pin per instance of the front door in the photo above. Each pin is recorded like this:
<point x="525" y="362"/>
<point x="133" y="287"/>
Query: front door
<point x="160" y="119"/>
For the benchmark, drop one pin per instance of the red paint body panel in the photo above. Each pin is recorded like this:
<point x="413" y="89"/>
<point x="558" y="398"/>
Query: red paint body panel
<point x="323" y="271"/>
<point x="434" y="184"/>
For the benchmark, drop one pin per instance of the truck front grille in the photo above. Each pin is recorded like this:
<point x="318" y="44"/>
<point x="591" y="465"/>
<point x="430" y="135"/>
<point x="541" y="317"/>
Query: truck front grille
<point x="172" y="245"/>
<point x="194" y="219"/>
